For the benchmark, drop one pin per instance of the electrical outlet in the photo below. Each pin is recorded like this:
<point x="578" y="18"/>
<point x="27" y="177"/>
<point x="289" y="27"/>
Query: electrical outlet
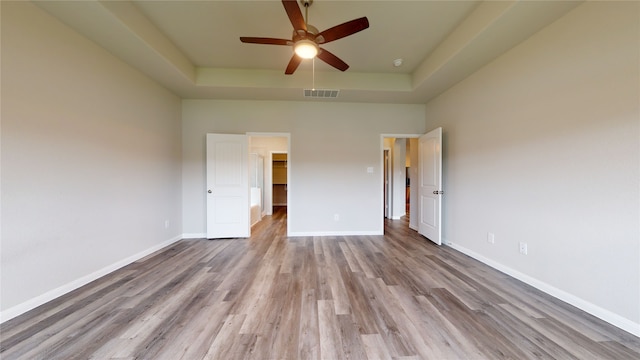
<point x="523" y="248"/>
<point x="336" y="217"/>
<point x="491" y="239"/>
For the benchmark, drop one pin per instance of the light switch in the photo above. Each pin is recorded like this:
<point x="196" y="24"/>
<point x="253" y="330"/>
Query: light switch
<point x="370" y="170"/>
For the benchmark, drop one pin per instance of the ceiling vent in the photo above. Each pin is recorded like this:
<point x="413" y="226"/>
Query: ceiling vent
<point x="321" y="93"/>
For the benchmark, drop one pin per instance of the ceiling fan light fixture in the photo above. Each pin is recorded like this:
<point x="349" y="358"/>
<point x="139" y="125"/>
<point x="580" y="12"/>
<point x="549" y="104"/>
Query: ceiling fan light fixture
<point x="306" y="49"/>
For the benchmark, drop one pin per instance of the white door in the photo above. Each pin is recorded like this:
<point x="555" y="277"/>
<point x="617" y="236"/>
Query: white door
<point x="227" y="186"/>
<point x="430" y="189"/>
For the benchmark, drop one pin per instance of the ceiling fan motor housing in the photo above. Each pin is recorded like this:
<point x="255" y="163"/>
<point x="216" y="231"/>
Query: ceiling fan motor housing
<point x="310" y="34"/>
<point x="307" y="36"/>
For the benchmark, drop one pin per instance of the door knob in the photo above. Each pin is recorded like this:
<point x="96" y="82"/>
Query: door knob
<point x="209" y="191"/>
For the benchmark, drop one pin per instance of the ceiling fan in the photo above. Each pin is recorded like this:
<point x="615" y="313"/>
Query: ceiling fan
<point x="306" y="39"/>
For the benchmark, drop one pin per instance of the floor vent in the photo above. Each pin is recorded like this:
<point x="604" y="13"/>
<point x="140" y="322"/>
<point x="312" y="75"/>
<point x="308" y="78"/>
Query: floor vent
<point x="321" y="93"/>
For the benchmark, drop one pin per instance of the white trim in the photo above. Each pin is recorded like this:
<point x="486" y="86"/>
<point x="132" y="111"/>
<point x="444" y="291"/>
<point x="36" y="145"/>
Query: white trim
<point x="194" y="236"/>
<point x="31" y="304"/>
<point x="400" y="136"/>
<point x="595" y="310"/>
<point x="335" y="233"/>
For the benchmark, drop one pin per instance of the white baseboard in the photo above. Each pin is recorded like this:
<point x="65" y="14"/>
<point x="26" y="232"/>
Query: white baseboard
<point x="334" y="233"/>
<point x="194" y="236"/>
<point x="64" y="289"/>
<point x="601" y="313"/>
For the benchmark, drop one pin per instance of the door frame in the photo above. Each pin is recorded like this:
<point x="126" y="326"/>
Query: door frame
<point x="269" y="176"/>
<point x="386" y="182"/>
<point x="381" y="152"/>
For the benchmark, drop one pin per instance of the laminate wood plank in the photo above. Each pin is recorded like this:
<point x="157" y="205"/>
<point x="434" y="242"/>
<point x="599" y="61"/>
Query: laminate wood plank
<point x="25" y="332"/>
<point x="443" y="338"/>
<point x="308" y="272"/>
<point x="553" y="308"/>
<point x="96" y="334"/>
<point x="374" y="348"/>
<point x="396" y="296"/>
<point x="172" y="299"/>
<point x="406" y="328"/>
<point x="257" y="298"/>
<point x="328" y="329"/>
<point x="476" y="325"/>
<point x="348" y="254"/>
<point x="214" y="250"/>
<point x="387" y="327"/>
<point x="237" y="274"/>
<point x="32" y="321"/>
<point x="317" y="245"/>
<point x="220" y="348"/>
<point x="53" y="332"/>
<point x="360" y="257"/>
<point x="334" y="279"/>
<point x="279" y="333"/>
<point x="167" y="324"/>
<point x="352" y="346"/>
<point x="195" y="330"/>
<point x="308" y="335"/>
<point x="161" y="279"/>
<point x="489" y="283"/>
<point x="323" y="284"/>
<point x="360" y="306"/>
<point x="537" y="345"/>
<point x="288" y="258"/>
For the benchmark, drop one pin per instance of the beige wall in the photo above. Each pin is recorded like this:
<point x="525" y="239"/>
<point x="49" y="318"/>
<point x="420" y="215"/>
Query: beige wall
<point x="542" y="146"/>
<point x="332" y="144"/>
<point x="90" y="160"/>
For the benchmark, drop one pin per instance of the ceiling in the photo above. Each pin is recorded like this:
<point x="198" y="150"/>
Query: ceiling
<point x="193" y="47"/>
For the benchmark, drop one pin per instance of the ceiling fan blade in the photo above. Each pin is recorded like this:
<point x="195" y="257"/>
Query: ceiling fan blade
<point x="332" y="60"/>
<point x="293" y="64"/>
<point x="295" y="14"/>
<point x="266" y="41"/>
<point x="342" y="30"/>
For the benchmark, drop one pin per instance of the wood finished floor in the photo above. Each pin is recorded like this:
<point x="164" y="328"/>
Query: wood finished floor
<point x="271" y="297"/>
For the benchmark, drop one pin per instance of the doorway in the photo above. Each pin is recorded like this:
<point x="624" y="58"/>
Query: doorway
<point x="272" y="146"/>
<point x="400" y="159"/>
<point x="234" y="189"/>
<point x="421" y="164"/>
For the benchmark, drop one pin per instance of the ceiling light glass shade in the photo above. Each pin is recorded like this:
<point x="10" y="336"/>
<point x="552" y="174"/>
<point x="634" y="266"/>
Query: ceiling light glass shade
<point x="306" y="49"/>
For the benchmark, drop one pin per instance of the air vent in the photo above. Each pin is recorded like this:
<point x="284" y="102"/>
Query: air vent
<point x="321" y="93"/>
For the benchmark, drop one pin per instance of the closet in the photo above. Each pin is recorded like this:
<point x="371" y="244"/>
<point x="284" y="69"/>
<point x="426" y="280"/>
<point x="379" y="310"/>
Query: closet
<point x="279" y="172"/>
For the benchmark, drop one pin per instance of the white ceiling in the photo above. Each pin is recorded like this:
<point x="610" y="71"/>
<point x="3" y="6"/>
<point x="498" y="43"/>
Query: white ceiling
<point x="193" y="47"/>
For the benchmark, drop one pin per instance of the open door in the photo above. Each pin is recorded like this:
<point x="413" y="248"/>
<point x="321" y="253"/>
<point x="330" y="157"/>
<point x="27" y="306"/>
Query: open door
<point x="227" y="186"/>
<point x="430" y="188"/>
